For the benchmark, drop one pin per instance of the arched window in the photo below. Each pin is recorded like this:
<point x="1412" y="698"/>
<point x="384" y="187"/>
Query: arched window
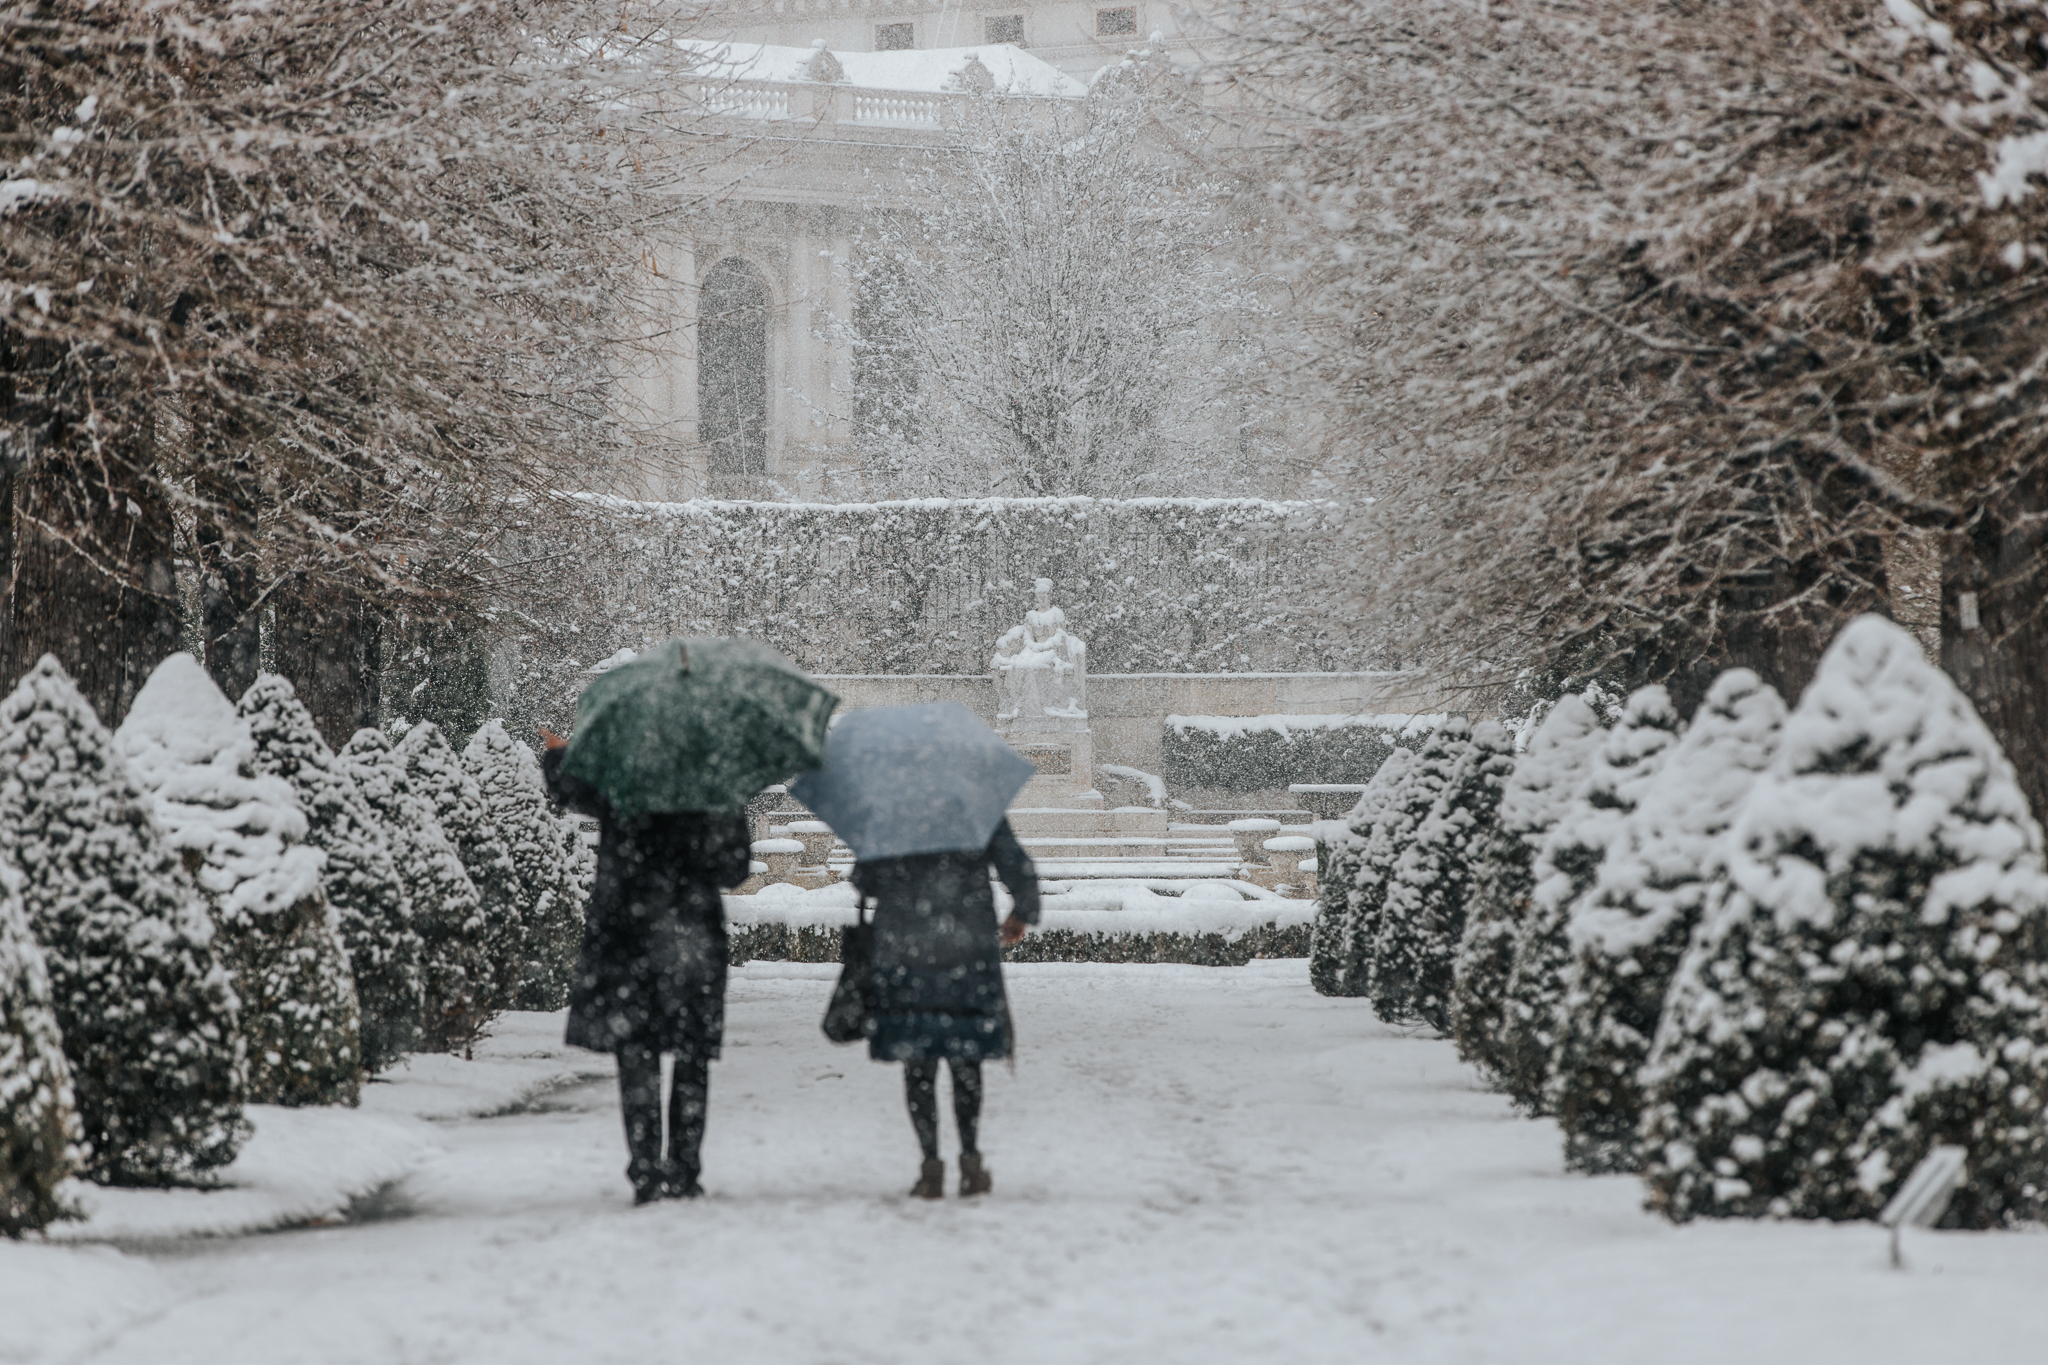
<point x="732" y="368"/>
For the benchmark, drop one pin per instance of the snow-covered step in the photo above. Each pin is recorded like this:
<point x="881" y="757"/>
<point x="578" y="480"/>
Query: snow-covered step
<point x="1163" y="869"/>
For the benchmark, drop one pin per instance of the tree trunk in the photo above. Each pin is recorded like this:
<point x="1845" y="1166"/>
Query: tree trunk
<point x="1994" y="635"/>
<point x="227" y="550"/>
<point x="326" y="643"/>
<point x="93" y="579"/>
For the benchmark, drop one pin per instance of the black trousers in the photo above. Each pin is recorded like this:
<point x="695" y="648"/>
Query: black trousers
<point x="921" y="1090"/>
<point x="640" y="1100"/>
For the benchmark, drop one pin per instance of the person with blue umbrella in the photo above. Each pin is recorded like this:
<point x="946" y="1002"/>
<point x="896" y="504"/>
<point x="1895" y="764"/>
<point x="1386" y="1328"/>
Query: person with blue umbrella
<point x="919" y="794"/>
<point x="667" y="750"/>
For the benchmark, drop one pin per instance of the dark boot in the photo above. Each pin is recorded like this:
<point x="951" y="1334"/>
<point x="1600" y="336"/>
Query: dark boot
<point x="640" y="1105"/>
<point x="974" y="1177"/>
<point x="931" y="1180"/>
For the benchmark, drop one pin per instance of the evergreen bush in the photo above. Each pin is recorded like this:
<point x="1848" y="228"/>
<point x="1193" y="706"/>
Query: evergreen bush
<point x="1424" y="919"/>
<point x="39" y="1133"/>
<point x="455" y="971"/>
<point x="1626" y="761"/>
<point x="1382" y="821"/>
<point x="361" y="879"/>
<point x="1870" y="976"/>
<point x="148" y="1017"/>
<point x="1340" y="859"/>
<point x="1627" y="934"/>
<point x="436" y="773"/>
<point x="1559" y="753"/>
<point x="242" y="836"/>
<point x="550" y="899"/>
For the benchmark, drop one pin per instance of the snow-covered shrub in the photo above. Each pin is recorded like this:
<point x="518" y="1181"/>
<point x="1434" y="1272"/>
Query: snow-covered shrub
<point x="361" y="879"/>
<point x="1868" y="976"/>
<point x="580" y="856"/>
<point x="436" y="773"/>
<point x="148" y="1017"/>
<point x="1377" y="822"/>
<point x="1423" y="921"/>
<point x="1245" y="753"/>
<point x="1627" y="934"/>
<point x="39" y="1133"/>
<point x="550" y="899"/>
<point x="1333" y="907"/>
<point x="455" y="973"/>
<point x="242" y="836"/>
<point x="1626" y="762"/>
<point x="1552" y="768"/>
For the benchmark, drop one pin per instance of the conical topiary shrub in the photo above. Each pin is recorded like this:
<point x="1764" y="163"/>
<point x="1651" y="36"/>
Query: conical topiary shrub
<point x="1330" y="935"/>
<point x="1627" y="934"/>
<point x="1424" y="919"/>
<point x="1389" y="818"/>
<point x="242" y="836"/>
<point x="1566" y="866"/>
<point x="437" y="775"/>
<point x="39" y="1133"/>
<point x="1375" y="821"/>
<point x="1868" y="977"/>
<point x="1333" y="905"/>
<point x="549" y="903"/>
<point x="148" y="1018"/>
<point x="455" y="973"/>
<point x="361" y="879"/>
<point x="1562" y="748"/>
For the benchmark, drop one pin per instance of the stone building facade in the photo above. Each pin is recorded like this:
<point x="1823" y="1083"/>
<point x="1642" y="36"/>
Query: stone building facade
<point x="737" y="386"/>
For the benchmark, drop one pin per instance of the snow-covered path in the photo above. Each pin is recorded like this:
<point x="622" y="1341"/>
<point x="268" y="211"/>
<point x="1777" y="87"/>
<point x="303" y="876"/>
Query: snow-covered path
<point x="1192" y="1164"/>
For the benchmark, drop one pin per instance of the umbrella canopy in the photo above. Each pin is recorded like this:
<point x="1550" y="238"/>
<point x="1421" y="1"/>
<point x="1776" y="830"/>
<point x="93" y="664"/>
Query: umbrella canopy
<point x="899" y="780"/>
<point x="697" y="725"/>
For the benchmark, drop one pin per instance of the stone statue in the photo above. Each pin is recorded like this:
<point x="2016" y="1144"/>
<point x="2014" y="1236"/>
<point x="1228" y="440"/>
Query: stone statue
<point x="1041" y="673"/>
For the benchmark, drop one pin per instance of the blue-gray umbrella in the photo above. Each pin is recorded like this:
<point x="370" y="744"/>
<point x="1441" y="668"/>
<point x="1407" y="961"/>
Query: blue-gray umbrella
<point x="899" y="780"/>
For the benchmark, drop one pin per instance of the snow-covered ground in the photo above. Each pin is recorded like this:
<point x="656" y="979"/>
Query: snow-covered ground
<point x="1192" y="1164"/>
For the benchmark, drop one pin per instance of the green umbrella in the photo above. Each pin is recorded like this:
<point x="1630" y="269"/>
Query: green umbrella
<point x="697" y="725"/>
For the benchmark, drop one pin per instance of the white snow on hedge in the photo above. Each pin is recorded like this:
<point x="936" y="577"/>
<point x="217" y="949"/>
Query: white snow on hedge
<point x="1884" y="699"/>
<point x="1398" y="725"/>
<point x="188" y="749"/>
<point x="1077" y="506"/>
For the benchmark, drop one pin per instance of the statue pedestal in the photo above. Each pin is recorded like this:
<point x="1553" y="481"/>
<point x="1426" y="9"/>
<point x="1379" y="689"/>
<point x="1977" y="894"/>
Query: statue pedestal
<point x="1066" y="769"/>
<point x="1041" y="674"/>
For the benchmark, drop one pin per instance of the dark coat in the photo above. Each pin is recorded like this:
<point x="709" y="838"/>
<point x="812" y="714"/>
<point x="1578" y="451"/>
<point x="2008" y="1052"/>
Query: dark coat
<point x="652" y="969"/>
<point x="938" y="964"/>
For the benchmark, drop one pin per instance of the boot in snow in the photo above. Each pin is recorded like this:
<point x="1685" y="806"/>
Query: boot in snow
<point x="974" y="1177"/>
<point x="931" y="1181"/>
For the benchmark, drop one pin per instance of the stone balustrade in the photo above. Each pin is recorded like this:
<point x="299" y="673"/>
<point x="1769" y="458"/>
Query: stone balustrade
<point x="831" y="106"/>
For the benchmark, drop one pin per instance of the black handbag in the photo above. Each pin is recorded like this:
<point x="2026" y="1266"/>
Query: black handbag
<point x="853" y="998"/>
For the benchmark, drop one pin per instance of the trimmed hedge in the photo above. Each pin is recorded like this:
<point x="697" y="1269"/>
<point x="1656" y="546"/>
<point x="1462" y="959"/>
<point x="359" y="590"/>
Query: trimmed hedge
<point x="1254" y="753"/>
<point x="782" y="943"/>
<point x="1152" y="584"/>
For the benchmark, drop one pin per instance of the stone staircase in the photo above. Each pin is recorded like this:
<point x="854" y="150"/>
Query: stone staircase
<point x="1139" y="845"/>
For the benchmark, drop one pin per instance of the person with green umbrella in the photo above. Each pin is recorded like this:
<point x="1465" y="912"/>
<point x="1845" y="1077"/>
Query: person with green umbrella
<point x="667" y="750"/>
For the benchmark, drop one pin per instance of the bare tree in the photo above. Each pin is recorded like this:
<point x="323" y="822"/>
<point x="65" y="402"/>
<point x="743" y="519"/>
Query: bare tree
<point x="325" y="294"/>
<point x="1060" y="302"/>
<point x="1677" y="324"/>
